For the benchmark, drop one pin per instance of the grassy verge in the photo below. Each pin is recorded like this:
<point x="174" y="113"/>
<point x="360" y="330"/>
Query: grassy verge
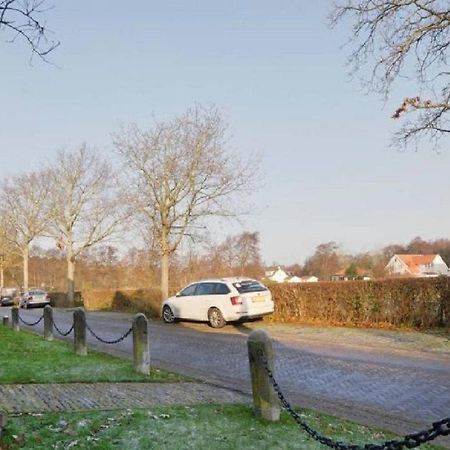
<point x="178" y="427"/>
<point x="27" y="358"/>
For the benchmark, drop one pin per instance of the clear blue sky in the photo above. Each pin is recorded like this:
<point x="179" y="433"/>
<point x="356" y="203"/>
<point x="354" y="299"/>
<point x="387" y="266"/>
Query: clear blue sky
<point x="277" y="72"/>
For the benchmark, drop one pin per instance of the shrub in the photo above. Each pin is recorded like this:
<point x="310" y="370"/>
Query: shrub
<point x="60" y="300"/>
<point x="133" y="300"/>
<point x="414" y="302"/>
<point x="418" y="302"/>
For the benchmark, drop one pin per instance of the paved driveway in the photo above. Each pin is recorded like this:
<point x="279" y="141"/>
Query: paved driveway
<point x="396" y="380"/>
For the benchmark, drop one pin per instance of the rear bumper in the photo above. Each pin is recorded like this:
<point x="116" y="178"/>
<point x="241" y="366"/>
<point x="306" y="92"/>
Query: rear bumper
<point x="40" y="303"/>
<point x="245" y="315"/>
<point x="254" y="316"/>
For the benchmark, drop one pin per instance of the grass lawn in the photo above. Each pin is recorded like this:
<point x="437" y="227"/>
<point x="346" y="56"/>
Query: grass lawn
<point x="26" y="358"/>
<point x="178" y="427"/>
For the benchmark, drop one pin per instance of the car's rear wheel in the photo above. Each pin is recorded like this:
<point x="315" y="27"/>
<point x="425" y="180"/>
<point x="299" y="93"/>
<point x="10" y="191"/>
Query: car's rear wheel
<point x="215" y="318"/>
<point x="168" y="315"/>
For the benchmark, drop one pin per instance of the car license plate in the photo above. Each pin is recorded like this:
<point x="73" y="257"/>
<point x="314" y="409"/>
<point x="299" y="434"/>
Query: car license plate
<point x="260" y="298"/>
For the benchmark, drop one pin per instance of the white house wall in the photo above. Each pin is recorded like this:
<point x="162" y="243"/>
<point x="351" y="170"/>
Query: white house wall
<point x="396" y="265"/>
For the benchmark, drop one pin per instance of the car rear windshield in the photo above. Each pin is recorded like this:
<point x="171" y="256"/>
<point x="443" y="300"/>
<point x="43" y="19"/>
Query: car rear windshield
<point x="246" y="286"/>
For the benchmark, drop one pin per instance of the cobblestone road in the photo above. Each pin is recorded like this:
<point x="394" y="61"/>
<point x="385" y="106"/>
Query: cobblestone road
<point x="398" y="381"/>
<point x="32" y="398"/>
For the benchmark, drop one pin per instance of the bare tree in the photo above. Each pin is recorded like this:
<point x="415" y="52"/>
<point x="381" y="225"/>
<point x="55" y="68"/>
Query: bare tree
<point x="8" y="252"/>
<point x="405" y="39"/>
<point x="247" y="247"/>
<point x="25" y="212"/>
<point x="183" y="173"/>
<point x="325" y="261"/>
<point x="22" y="19"/>
<point x="238" y="255"/>
<point x="85" y="207"/>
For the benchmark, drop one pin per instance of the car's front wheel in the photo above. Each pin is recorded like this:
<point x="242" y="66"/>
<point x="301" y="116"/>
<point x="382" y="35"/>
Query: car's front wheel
<point x="168" y="315"/>
<point x="215" y="318"/>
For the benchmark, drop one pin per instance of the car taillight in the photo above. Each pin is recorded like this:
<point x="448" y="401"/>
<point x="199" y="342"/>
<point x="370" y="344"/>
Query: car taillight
<point x="236" y="300"/>
<point x="30" y="297"/>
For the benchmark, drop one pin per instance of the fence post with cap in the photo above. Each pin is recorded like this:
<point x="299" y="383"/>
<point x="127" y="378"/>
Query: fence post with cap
<point x="265" y="401"/>
<point x="141" y="352"/>
<point x="79" y="332"/>
<point x="48" y="323"/>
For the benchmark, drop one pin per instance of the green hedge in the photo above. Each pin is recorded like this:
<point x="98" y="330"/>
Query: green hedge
<point x="418" y="302"/>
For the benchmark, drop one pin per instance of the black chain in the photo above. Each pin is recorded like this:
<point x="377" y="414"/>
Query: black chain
<point x="440" y="428"/>
<point x="61" y="332"/>
<point x="30" y="324"/>
<point x="115" y="341"/>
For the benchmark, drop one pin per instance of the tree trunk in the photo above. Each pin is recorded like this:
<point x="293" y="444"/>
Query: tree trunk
<point x="164" y="276"/>
<point x="26" y="253"/>
<point x="70" y="279"/>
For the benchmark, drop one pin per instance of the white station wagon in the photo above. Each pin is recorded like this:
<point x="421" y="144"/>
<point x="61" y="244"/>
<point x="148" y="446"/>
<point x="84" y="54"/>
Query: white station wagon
<point x="219" y="301"/>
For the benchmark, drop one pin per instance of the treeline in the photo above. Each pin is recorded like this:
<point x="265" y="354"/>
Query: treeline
<point x="105" y="267"/>
<point x="330" y="259"/>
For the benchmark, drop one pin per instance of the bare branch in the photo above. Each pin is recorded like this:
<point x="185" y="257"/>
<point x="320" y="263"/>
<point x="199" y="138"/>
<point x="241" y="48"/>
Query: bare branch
<point x="21" y="18"/>
<point x="408" y="39"/>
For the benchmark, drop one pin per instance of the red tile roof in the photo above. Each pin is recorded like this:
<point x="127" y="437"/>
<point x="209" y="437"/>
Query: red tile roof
<point x="414" y="261"/>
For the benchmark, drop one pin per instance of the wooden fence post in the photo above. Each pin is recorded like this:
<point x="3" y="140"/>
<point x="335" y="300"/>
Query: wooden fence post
<point x="48" y="323"/>
<point x="15" y="318"/>
<point x="141" y="350"/>
<point x="265" y="401"/>
<point x="79" y="332"/>
<point x="5" y="321"/>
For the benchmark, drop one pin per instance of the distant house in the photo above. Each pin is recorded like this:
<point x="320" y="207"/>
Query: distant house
<point x="417" y="266"/>
<point x="278" y="275"/>
<point x="281" y="276"/>
<point x="304" y="279"/>
<point x="309" y="279"/>
<point x="294" y="279"/>
<point x="361" y="274"/>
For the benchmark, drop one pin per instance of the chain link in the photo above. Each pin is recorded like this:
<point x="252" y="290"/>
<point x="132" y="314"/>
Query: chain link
<point x="115" y="341"/>
<point x="30" y="324"/>
<point x="61" y="332"/>
<point x="440" y="428"/>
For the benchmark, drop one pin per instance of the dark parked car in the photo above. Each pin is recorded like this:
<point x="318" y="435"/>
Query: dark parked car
<point x="7" y="301"/>
<point x="7" y="296"/>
